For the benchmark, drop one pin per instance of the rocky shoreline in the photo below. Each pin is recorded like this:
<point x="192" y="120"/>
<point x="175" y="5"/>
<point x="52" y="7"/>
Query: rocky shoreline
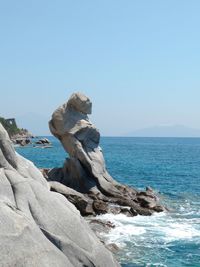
<point x="24" y="140"/>
<point x="42" y="212"/>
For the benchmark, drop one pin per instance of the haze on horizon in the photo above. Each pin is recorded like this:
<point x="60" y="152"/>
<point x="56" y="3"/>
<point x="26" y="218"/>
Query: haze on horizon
<point x="138" y="61"/>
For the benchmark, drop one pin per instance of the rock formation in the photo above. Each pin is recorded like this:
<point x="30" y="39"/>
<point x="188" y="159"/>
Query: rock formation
<point x="39" y="227"/>
<point x="94" y="190"/>
<point x="43" y="141"/>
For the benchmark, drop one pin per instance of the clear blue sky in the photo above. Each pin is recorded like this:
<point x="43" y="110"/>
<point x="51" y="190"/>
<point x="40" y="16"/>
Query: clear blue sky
<point x="138" y="61"/>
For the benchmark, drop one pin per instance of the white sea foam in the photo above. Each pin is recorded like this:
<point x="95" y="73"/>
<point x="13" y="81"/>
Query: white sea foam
<point x="124" y="231"/>
<point x="147" y="231"/>
<point x="154" y="238"/>
<point x="176" y="231"/>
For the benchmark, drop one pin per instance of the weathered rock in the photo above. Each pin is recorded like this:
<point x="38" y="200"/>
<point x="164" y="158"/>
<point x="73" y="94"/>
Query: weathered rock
<point x="146" y="202"/>
<point x="133" y="211"/>
<point x="85" y="169"/>
<point x="113" y="247"/>
<point x="55" y="174"/>
<point x="45" y="172"/>
<point x="21" y="141"/>
<point x="46" y="141"/>
<point x="114" y="209"/>
<point x="38" y="142"/>
<point x="137" y="209"/>
<point x="82" y="203"/>
<point x="107" y="224"/>
<point x="99" y="227"/>
<point x="100" y="207"/>
<point x="159" y="208"/>
<point x="43" y="141"/>
<point x="128" y="212"/>
<point x="39" y="227"/>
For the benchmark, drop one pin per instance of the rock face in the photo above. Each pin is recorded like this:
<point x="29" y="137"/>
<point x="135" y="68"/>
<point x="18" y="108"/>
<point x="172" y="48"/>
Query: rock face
<point x="85" y="170"/>
<point x="39" y="227"/>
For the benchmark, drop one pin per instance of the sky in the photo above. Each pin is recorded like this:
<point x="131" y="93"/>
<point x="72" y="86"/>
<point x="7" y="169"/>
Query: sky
<point x="137" y="60"/>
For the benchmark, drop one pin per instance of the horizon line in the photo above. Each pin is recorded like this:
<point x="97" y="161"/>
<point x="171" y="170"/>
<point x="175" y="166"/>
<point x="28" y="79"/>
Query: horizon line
<point x="125" y="136"/>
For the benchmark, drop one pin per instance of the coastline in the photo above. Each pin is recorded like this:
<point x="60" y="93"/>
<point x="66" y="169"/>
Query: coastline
<point x="118" y="214"/>
<point x="148" y="164"/>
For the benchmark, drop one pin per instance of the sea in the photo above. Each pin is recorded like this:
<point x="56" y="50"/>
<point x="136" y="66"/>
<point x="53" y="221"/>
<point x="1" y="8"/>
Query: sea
<point x="171" y="166"/>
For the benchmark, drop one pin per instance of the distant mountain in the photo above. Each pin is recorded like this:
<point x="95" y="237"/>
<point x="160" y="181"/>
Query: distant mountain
<point x="166" y="131"/>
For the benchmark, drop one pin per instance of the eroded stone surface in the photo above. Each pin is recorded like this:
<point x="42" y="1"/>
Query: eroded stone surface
<point x="85" y="169"/>
<point x="39" y="227"/>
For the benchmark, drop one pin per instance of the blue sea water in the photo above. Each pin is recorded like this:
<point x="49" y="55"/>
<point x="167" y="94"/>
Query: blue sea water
<point x="169" y="165"/>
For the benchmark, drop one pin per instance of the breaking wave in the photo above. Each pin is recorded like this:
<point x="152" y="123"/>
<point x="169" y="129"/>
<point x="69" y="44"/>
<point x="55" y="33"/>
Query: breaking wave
<point x="159" y="239"/>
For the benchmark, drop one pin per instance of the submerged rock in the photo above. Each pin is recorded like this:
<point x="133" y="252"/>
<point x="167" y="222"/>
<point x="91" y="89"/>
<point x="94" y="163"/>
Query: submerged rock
<point x="21" y="141"/>
<point x="43" y="141"/>
<point x="39" y="227"/>
<point x="85" y="169"/>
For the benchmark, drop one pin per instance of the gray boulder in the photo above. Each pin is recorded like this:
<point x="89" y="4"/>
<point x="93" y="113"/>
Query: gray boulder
<point x="85" y="169"/>
<point x="39" y="227"/>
